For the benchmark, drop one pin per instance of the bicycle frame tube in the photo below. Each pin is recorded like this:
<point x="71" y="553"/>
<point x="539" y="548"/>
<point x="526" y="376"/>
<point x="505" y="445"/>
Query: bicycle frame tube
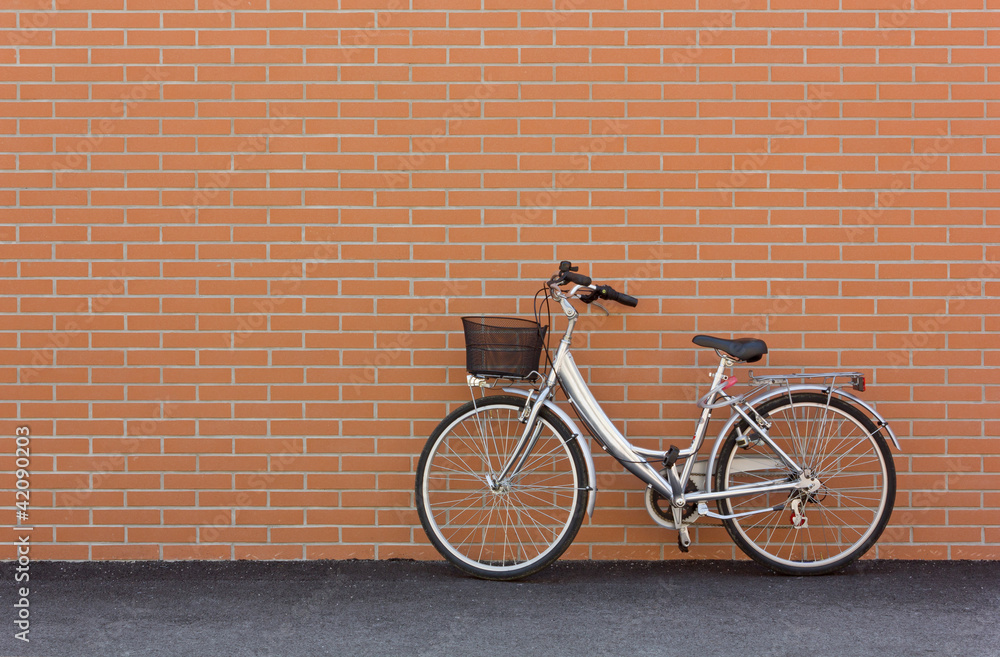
<point x="566" y="373"/>
<point x="605" y="432"/>
<point x="602" y="429"/>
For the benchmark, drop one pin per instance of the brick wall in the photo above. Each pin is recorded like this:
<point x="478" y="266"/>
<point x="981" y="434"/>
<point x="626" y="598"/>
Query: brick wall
<point x="237" y="236"/>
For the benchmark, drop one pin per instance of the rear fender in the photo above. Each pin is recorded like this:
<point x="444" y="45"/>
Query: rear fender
<point x="577" y="435"/>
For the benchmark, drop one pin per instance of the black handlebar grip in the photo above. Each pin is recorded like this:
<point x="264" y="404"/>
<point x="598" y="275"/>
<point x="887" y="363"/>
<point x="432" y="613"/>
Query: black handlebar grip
<point x="626" y="300"/>
<point x="611" y="294"/>
<point x="579" y="279"/>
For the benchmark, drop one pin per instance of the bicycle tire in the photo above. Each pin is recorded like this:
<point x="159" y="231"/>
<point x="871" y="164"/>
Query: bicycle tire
<point x="859" y="462"/>
<point x="526" y="524"/>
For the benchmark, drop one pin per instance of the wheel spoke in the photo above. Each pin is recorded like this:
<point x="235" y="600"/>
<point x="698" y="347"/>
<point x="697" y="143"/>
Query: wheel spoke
<point x="460" y="473"/>
<point x="472" y="496"/>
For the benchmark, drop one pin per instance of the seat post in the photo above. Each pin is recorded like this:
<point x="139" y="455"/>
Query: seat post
<point x="724" y="362"/>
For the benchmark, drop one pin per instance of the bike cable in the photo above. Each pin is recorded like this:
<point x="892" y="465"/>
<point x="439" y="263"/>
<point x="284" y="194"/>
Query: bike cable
<point x="538" y="319"/>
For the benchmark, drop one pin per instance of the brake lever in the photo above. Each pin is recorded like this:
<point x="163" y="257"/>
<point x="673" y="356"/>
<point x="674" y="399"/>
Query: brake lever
<point x="592" y="299"/>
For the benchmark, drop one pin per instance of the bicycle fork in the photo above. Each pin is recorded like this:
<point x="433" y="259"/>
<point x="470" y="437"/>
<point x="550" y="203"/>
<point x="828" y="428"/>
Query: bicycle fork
<point x="524" y="446"/>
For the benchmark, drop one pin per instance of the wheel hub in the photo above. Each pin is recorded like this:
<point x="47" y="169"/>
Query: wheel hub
<point x="803" y="496"/>
<point x="498" y="487"/>
<point x="810" y="481"/>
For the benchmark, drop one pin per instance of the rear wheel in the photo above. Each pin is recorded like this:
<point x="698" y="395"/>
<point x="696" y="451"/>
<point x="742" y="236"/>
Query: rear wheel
<point x="822" y="530"/>
<point x="500" y="529"/>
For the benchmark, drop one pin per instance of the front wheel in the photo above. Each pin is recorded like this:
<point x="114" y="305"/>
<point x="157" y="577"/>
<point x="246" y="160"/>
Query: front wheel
<point x="500" y="529"/>
<point x="818" y="531"/>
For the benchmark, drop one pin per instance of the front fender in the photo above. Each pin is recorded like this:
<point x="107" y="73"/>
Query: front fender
<point x="577" y="434"/>
<point x="766" y="395"/>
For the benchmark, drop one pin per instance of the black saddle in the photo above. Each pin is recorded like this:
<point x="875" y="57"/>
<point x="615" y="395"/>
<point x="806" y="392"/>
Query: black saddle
<point x="746" y="349"/>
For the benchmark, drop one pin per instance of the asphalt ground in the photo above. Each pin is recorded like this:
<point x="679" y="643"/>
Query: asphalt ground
<point x="683" y="608"/>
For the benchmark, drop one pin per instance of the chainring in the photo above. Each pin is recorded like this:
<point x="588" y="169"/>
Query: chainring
<point x="690" y="509"/>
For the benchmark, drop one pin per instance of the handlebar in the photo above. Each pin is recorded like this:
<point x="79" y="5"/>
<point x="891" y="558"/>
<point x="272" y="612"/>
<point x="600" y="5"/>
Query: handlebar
<point x="567" y="275"/>
<point x="609" y="293"/>
<point x="579" y="279"/>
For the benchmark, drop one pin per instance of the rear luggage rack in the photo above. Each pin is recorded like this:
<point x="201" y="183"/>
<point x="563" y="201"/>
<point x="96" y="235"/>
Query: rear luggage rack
<point x="857" y="379"/>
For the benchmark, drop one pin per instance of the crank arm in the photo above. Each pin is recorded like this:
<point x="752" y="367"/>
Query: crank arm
<point x="703" y="510"/>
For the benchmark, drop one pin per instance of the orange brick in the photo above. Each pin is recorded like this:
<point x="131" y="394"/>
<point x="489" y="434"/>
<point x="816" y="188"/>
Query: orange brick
<point x="239" y="290"/>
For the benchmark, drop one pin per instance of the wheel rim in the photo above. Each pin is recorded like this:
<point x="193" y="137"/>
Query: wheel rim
<point x="840" y="516"/>
<point x="519" y="521"/>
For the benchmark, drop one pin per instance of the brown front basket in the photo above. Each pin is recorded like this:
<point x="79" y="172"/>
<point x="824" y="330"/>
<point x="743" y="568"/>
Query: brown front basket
<point x="505" y="347"/>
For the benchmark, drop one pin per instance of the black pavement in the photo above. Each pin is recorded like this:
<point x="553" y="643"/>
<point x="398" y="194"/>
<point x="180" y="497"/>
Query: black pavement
<point x="683" y="608"/>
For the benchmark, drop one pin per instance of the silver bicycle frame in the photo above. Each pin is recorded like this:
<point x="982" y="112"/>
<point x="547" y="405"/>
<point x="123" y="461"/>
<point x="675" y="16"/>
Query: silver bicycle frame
<point x="564" y="372"/>
<point x="634" y="459"/>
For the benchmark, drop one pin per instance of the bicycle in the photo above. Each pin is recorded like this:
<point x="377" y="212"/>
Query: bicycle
<point x="801" y="473"/>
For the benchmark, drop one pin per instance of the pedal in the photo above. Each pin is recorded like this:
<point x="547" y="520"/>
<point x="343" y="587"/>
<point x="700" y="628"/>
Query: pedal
<point x="684" y="539"/>
<point x="671" y="456"/>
